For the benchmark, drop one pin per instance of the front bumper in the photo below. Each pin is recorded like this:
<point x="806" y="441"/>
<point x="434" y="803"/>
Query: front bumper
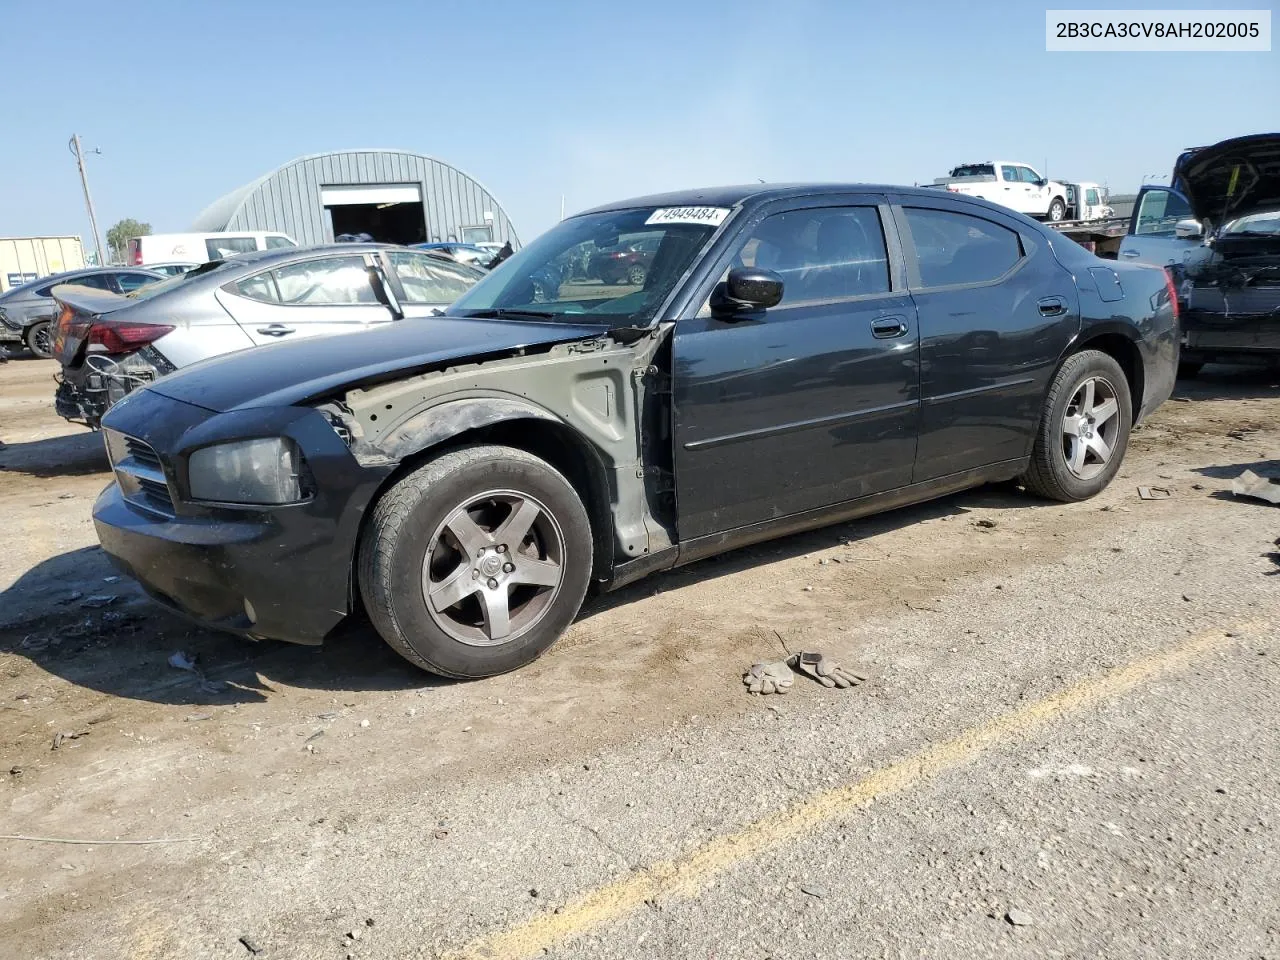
<point x="282" y="573"/>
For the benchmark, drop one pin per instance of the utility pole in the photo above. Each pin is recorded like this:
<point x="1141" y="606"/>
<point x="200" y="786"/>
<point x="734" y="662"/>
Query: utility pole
<point x="74" y="146"/>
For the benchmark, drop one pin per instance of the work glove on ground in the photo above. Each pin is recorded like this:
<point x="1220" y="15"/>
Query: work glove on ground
<point x="823" y="669"/>
<point x="775" y="677"/>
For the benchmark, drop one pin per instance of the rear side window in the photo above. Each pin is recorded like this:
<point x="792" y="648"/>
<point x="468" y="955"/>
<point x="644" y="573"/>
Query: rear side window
<point x="132" y="281"/>
<point x="974" y="170"/>
<point x="427" y="279"/>
<point x="274" y="243"/>
<point x="1009" y="173"/>
<point x="335" y="280"/>
<point x="219" y="248"/>
<point x="828" y="253"/>
<point x="1160" y="212"/>
<point x="260" y="287"/>
<point x="957" y="248"/>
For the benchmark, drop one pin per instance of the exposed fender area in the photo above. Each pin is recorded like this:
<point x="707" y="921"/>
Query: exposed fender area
<point x="601" y="392"/>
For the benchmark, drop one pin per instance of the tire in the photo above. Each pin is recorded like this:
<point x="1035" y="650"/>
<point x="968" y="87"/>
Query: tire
<point x="1189" y="369"/>
<point x="1055" y="472"/>
<point x="1057" y="210"/>
<point x="636" y="274"/>
<point x="410" y="548"/>
<point x="39" y="339"/>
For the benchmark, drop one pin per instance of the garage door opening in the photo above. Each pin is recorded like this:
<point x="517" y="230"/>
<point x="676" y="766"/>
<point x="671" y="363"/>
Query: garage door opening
<point x="389" y="214"/>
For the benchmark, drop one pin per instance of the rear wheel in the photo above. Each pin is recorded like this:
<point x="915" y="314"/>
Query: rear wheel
<point x="39" y="338"/>
<point x="636" y="274"/>
<point x="1084" y="430"/>
<point x="476" y="562"/>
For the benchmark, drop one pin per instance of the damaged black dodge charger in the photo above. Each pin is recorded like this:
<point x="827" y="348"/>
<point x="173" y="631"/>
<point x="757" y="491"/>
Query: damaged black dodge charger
<point x="795" y="356"/>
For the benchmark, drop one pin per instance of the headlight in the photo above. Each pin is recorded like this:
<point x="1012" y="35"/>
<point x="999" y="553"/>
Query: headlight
<point x="248" y="471"/>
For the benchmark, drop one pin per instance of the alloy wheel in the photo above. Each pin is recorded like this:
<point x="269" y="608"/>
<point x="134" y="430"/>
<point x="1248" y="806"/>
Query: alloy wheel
<point x="493" y="568"/>
<point x="1090" y="427"/>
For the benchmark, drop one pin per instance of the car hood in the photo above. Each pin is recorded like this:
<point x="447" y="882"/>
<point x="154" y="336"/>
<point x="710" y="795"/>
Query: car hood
<point x="1231" y="179"/>
<point x="287" y="373"/>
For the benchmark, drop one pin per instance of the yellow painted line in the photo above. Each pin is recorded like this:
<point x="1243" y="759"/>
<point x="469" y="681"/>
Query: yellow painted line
<point x="687" y="875"/>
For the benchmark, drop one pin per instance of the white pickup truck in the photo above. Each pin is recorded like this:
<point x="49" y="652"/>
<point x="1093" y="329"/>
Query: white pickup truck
<point x="1011" y="184"/>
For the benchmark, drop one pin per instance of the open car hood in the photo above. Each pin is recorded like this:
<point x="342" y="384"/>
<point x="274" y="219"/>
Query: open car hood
<point x="1231" y="179"/>
<point x="285" y="373"/>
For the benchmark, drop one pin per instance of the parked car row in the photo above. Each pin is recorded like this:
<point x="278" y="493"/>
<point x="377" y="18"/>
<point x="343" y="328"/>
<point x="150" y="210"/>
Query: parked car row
<point x="789" y="356"/>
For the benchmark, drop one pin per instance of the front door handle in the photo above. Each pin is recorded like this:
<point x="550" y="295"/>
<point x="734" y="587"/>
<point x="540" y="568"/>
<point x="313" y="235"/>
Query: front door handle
<point x="885" y="328"/>
<point x="275" y="330"/>
<point x="1129" y="254"/>
<point x="1052" y="306"/>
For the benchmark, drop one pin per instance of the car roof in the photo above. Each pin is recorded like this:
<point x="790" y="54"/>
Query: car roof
<point x="732" y="196"/>
<point x="66" y="275"/>
<point x="290" y="253"/>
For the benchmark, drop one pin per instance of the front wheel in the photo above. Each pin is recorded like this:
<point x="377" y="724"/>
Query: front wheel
<point x="1084" y="429"/>
<point x="1057" y="210"/>
<point x="476" y="562"/>
<point x="636" y="274"/>
<point x="39" y="337"/>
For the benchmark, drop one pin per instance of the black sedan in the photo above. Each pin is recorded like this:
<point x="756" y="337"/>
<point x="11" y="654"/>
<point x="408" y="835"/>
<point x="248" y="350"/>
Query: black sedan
<point x="795" y="356"/>
<point x="27" y="312"/>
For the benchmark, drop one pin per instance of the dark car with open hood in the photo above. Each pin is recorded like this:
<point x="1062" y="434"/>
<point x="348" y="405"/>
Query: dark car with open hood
<point x="1217" y="230"/>
<point x="794" y="356"/>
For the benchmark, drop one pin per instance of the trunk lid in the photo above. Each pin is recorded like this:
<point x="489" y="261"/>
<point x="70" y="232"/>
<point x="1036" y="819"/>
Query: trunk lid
<point x="1232" y="178"/>
<point x="78" y="308"/>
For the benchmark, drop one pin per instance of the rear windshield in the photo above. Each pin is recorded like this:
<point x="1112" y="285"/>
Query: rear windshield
<point x="172" y="283"/>
<point x="974" y="170"/>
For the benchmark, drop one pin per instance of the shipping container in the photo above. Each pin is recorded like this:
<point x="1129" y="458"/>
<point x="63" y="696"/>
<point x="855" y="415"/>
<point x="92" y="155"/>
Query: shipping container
<point x="23" y="259"/>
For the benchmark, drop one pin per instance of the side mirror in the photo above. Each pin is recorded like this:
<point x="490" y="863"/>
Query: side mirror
<point x="1188" y="230"/>
<point x="748" y="288"/>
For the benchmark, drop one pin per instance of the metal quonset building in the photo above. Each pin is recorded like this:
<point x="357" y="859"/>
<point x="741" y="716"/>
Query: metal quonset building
<point x="395" y="197"/>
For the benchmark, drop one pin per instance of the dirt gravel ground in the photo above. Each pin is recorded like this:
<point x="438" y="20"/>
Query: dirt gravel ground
<point x="1067" y="747"/>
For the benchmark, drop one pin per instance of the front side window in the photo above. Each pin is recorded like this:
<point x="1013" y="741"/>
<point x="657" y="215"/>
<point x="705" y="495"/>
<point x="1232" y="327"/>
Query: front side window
<point x="827" y="253"/>
<point x="1091" y="197"/>
<point x="1028" y="175"/>
<point x="335" y="280"/>
<point x="1160" y="212"/>
<point x="276" y="242"/>
<point x="428" y="279"/>
<point x="220" y="248"/>
<point x="98" y="281"/>
<point x="551" y="279"/>
<point x="956" y="248"/>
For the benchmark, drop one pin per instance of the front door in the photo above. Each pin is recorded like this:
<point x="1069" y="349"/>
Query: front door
<point x="812" y="402"/>
<point x="1152" y="236"/>
<point x="996" y="312"/>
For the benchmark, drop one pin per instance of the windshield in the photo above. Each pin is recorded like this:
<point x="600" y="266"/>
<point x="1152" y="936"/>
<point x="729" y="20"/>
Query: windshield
<point x="153" y="289"/>
<point x="1264" y="223"/>
<point x="609" y="268"/>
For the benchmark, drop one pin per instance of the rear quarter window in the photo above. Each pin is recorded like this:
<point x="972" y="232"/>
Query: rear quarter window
<point x="955" y="248"/>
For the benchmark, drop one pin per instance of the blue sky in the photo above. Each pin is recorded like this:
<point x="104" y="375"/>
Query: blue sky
<point x="594" y="101"/>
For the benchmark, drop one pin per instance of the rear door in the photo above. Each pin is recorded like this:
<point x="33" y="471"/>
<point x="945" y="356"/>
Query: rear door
<point x="1152" y="236"/>
<point x="811" y="402"/>
<point x="996" y="311"/>
<point x="1012" y="192"/>
<point x="126" y="281"/>
<point x="316" y="297"/>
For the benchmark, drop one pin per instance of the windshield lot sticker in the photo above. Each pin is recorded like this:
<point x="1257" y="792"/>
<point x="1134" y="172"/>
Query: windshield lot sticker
<point x="711" y="216"/>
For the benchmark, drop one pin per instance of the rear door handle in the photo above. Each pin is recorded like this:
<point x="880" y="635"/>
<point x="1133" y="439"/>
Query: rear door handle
<point x="1052" y="306"/>
<point x="1130" y="254"/>
<point x="275" y="330"/>
<point x="885" y="328"/>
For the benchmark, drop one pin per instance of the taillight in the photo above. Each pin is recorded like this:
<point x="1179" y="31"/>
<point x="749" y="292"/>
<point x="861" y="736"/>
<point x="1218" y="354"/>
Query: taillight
<point x="117" y="337"/>
<point x="135" y="252"/>
<point x="1173" y="293"/>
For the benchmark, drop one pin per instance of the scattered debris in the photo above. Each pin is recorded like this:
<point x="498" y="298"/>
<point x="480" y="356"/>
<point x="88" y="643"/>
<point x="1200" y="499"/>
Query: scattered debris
<point x="809" y="889"/>
<point x="364" y="723"/>
<point x="66" y="496"/>
<point x="181" y="661"/>
<point x="822" y="668"/>
<point x="985" y="524"/>
<point x="98" y="601"/>
<point x="766" y="678"/>
<point x="197" y="717"/>
<point x="440" y="834"/>
<point x="1187" y="597"/>
<point x="1020" y="918"/>
<point x="315" y="736"/>
<point x="1155" y="493"/>
<point x="355" y="933"/>
<point x="327" y="715"/>
<point x="1249" y="484"/>
<point x="64" y="735"/>
<point x="15" y="771"/>
<point x="1197" y="486"/>
<point x="923" y="607"/>
<point x="250" y="944"/>
<point x="533" y="892"/>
